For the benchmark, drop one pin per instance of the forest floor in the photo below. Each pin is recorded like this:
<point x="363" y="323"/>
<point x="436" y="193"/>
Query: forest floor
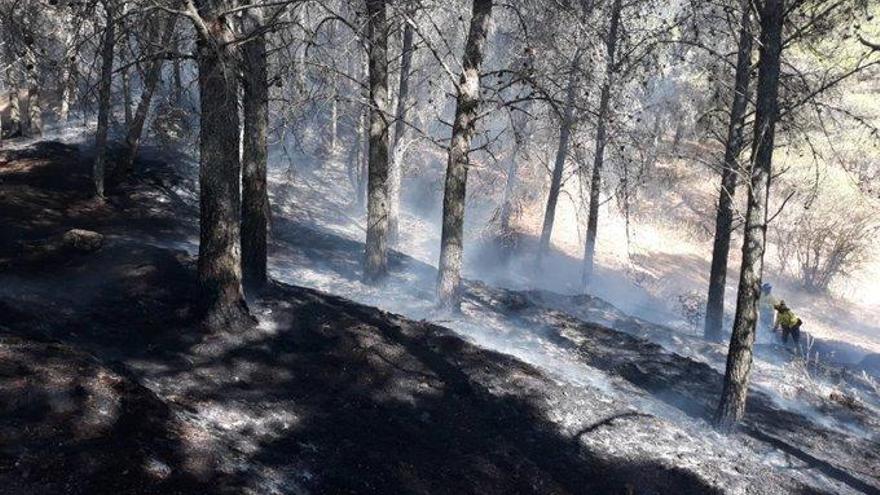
<point x="107" y="385"/>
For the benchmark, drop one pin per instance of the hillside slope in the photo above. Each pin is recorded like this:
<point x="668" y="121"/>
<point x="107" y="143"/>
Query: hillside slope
<point x="326" y="395"/>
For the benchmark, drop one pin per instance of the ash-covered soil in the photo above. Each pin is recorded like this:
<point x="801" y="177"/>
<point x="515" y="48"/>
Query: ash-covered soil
<point x="71" y="424"/>
<point x="109" y="386"/>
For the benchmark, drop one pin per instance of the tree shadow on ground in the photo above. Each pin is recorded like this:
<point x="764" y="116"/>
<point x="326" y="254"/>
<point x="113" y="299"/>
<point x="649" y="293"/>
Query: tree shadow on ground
<point x="68" y="424"/>
<point x="46" y="188"/>
<point x="693" y="388"/>
<point x="385" y="405"/>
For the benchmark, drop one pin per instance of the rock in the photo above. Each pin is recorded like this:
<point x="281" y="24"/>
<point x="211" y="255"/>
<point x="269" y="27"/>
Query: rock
<point x="514" y="301"/>
<point x="845" y="400"/>
<point x="84" y="241"/>
<point x="73" y="241"/>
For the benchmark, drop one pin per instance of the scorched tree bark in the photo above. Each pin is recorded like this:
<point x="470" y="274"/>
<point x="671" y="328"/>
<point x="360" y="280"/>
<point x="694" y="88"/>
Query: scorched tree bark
<point x="376" y="259"/>
<point x="254" y="189"/>
<point x="598" y="160"/>
<point x="729" y="176"/>
<point x="100" y="164"/>
<point x="151" y="81"/>
<point x="561" y="154"/>
<point x="395" y="174"/>
<point x="739" y="356"/>
<point x="219" y="266"/>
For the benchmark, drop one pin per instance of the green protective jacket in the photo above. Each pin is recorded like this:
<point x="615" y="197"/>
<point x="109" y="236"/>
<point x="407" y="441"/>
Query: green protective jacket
<point x="787" y="319"/>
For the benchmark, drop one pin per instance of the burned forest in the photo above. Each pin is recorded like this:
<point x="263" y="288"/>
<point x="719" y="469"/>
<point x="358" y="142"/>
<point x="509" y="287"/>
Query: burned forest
<point x="439" y="247"/>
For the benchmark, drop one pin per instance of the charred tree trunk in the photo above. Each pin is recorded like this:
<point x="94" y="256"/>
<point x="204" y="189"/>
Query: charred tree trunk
<point x="729" y="175"/>
<point x="598" y="160"/>
<point x="454" y="193"/>
<point x="254" y="188"/>
<point x="559" y="166"/>
<point x="219" y="266"/>
<point x="395" y="174"/>
<point x="376" y="258"/>
<point x="151" y="81"/>
<point x="739" y="357"/>
<point x="100" y="164"/>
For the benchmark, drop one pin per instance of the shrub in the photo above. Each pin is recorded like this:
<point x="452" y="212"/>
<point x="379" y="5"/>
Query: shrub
<point x="691" y="307"/>
<point x="826" y="242"/>
<point x="172" y="128"/>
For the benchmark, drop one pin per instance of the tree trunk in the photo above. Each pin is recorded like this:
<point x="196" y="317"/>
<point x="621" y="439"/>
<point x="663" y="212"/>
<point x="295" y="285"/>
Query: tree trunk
<point x="376" y="260"/>
<point x="68" y="80"/>
<point x="358" y="169"/>
<point x="739" y="357"/>
<point x="729" y="175"/>
<point x="395" y="174"/>
<point x="219" y="267"/>
<point x="123" y="50"/>
<point x="35" y="109"/>
<point x="520" y="142"/>
<point x="505" y="231"/>
<point x="334" y="108"/>
<point x="655" y="142"/>
<point x="34" y="103"/>
<point x="454" y="194"/>
<point x="126" y="96"/>
<point x="98" y="168"/>
<point x="255" y="193"/>
<point x="357" y="162"/>
<point x="177" y="93"/>
<point x="151" y="81"/>
<point x="15" y="111"/>
<point x="679" y="132"/>
<point x="559" y="166"/>
<point x="334" y="117"/>
<point x="23" y="98"/>
<point x="299" y="55"/>
<point x="598" y="160"/>
<point x="521" y="133"/>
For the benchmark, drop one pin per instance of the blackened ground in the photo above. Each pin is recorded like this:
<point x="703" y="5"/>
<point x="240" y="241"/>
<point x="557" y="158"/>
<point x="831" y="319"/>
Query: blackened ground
<point x="108" y="386"/>
<point x="69" y="424"/>
<point x="851" y="458"/>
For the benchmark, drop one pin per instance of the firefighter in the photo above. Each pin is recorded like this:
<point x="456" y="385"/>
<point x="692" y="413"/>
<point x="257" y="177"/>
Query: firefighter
<point x="788" y="322"/>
